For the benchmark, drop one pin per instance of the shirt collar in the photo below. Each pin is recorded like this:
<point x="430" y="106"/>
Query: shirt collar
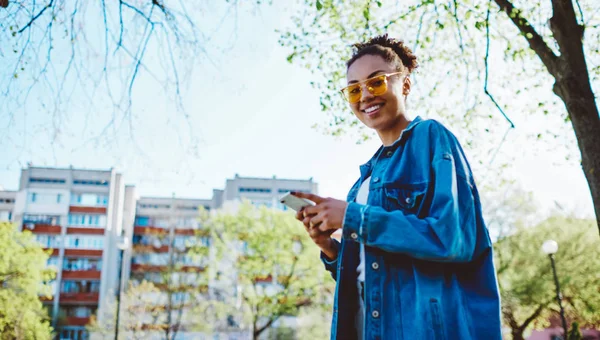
<point x="364" y="169"/>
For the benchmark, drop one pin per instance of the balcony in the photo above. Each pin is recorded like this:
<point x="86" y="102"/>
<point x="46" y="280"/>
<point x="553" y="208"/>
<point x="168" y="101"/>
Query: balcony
<point x="42" y="228"/>
<point x="86" y="230"/>
<point x="142" y="248"/>
<point x="87" y="209"/>
<point x="188" y="231"/>
<point x="136" y="267"/>
<point x="139" y="230"/>
<point x="81" y="274"/>
<point x="79" y="297"/>
<point x="83" y="252"/>
<point x="76" y="321"/>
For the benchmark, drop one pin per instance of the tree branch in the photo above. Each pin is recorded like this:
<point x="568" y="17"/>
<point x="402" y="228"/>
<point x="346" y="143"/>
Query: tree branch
<point x="533" y="316"/>
<point x="567" y="31"/>
<point x="36" y="16"/>
<point x="536" y="41"/>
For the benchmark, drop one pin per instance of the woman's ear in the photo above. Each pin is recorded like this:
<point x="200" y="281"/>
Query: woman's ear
<point x="406" y="86"/>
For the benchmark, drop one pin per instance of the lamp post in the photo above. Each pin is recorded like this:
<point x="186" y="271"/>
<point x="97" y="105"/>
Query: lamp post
<point x="122" y="244"/>
<point x="550" y="247"/>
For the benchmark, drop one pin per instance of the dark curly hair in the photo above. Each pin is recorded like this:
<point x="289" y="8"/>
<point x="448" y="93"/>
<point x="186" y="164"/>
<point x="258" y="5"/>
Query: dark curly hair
<point x="390" y="49"/>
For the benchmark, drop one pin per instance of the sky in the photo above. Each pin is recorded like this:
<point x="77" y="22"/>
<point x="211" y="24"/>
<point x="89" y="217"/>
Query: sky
<point x="252" y="113"/>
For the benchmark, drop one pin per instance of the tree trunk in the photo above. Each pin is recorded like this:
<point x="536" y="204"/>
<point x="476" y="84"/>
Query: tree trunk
<point x="572" y="82"/>
<point x="517" y="334"/>
<point x="573" y="87"/>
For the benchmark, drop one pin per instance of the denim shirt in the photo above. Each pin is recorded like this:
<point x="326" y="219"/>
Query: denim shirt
<point x="429" y="271"/>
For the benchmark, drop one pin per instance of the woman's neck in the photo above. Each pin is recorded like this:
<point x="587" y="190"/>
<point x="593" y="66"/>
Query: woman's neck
<point x="390" y="135"/>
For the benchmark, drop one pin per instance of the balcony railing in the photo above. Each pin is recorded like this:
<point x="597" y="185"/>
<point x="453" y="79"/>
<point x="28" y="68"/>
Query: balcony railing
<point x="91" y="297"/>
<point x="77" y="320"/>
<point x="81" y="274"/>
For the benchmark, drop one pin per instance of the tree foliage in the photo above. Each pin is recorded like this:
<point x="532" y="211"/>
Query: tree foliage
<point x="168" y="296"/>
<point x="526" y="281"/>
<point x="23" y="279"/>
<point x="81" y="63"/>
<point x="276" y="271"/>
<point x="486" y="67"/>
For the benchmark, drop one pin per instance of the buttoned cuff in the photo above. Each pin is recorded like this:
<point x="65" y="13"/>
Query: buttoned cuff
<point x="330" y="264"/>
<point x="354" y="222"/>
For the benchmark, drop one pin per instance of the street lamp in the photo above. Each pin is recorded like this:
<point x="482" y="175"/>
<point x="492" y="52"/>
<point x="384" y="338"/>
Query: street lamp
<point x="550" y="247"/>
<point x="122" y="244"/>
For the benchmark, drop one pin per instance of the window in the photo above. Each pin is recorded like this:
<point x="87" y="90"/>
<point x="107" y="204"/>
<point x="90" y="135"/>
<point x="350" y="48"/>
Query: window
<point x="48" y="241"/>
<point x="186" y="207"/>
<point x="76" y="264"/>
<point x="90" y="182"/>
<point x="84" y="242"/>
<point x="47" y="180"/>
<point x="87" y="220"/>
<point x="83" y="286"/>
<point x="90" y="200"/>
<point x="188" y="223"/>
<point x="102" y="200"/>
<point x="155" y="206"/>
<point x="151" y="259"/>
<point x="7" y="200"/>
<point x="52" y="262"/>
<point x="78" y="312"/>
<point x="45" y="198"/>
<point x="41" y="219"/>
<point x="261" y="190"/>
<point x="142" y="221"/>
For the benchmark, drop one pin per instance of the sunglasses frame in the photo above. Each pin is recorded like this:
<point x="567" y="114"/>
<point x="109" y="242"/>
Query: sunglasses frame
<point x="363" y="82"/>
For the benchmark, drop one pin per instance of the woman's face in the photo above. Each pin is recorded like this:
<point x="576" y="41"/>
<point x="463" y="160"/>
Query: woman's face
<point x="384" y="112"/>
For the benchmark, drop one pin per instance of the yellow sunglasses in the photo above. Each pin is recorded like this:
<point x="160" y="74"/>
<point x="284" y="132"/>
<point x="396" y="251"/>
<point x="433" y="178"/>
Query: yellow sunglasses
<point x="375" y="85"/>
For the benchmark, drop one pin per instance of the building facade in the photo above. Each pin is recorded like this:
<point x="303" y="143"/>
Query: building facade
<point x="84" y="216"/>
<point x="78" y="214"/>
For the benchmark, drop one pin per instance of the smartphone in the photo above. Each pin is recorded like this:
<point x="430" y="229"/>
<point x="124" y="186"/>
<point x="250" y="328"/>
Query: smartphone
<point x="294" y="202"/>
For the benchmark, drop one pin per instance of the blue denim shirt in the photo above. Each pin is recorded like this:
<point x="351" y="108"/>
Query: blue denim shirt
<point x="429" y="264"/>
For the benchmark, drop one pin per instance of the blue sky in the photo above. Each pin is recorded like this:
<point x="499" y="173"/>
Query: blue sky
<point x="252" y="112"/>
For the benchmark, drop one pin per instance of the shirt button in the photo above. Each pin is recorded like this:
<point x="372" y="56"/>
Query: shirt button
<point x="408" y="200"/>
<point x="375" y="265"/>
<point x="375" y="314"/>
<point x="354" y="236"/>
<point x="376" y="179"/>
<point x="389" y="153"/>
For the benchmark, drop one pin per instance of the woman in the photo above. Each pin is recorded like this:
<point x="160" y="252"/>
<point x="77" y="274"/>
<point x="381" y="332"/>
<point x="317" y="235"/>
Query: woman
<point x="415" y="259"/>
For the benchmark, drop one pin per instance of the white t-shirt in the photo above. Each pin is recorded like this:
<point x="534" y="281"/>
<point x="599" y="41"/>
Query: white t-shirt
<point x="361" y="198"/>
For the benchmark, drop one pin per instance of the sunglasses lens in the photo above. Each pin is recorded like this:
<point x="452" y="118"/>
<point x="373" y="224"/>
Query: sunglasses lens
<point x="352" y="93"/>
<point x="377" y="86"/>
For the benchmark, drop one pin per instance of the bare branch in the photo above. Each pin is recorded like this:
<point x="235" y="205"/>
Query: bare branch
<point x="36" y="16"/>
<point x="536" y="41"/>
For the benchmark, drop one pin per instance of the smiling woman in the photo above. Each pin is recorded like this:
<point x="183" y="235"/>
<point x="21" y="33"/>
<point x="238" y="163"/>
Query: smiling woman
<point x="415" y="257"/>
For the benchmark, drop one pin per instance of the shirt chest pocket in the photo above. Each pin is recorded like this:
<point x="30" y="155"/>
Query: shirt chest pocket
<point x="409" y="200"/>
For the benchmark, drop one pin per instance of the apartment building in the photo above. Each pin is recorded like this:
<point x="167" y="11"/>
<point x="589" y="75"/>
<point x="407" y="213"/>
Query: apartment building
<point x="7" y="205"/>
<point x="261" y="191"/>
<point x="84" y="216"/>
<point x="78" y="214"/>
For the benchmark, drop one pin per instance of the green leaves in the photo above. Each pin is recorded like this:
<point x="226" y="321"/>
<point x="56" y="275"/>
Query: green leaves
<point x="275" y="261"/>
<point x="319" y="5"/>
<point x="23" y="278"/>
<point x="525" y="275"/>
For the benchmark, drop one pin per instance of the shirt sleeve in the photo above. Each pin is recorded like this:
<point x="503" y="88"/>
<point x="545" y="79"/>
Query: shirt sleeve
<point x="447" y="233"/>
<point x="331" y="265"/>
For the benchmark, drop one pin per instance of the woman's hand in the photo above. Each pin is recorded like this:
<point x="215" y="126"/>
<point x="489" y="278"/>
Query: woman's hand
<point x="327" y="215"/>
<point x="322" y="220"/>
